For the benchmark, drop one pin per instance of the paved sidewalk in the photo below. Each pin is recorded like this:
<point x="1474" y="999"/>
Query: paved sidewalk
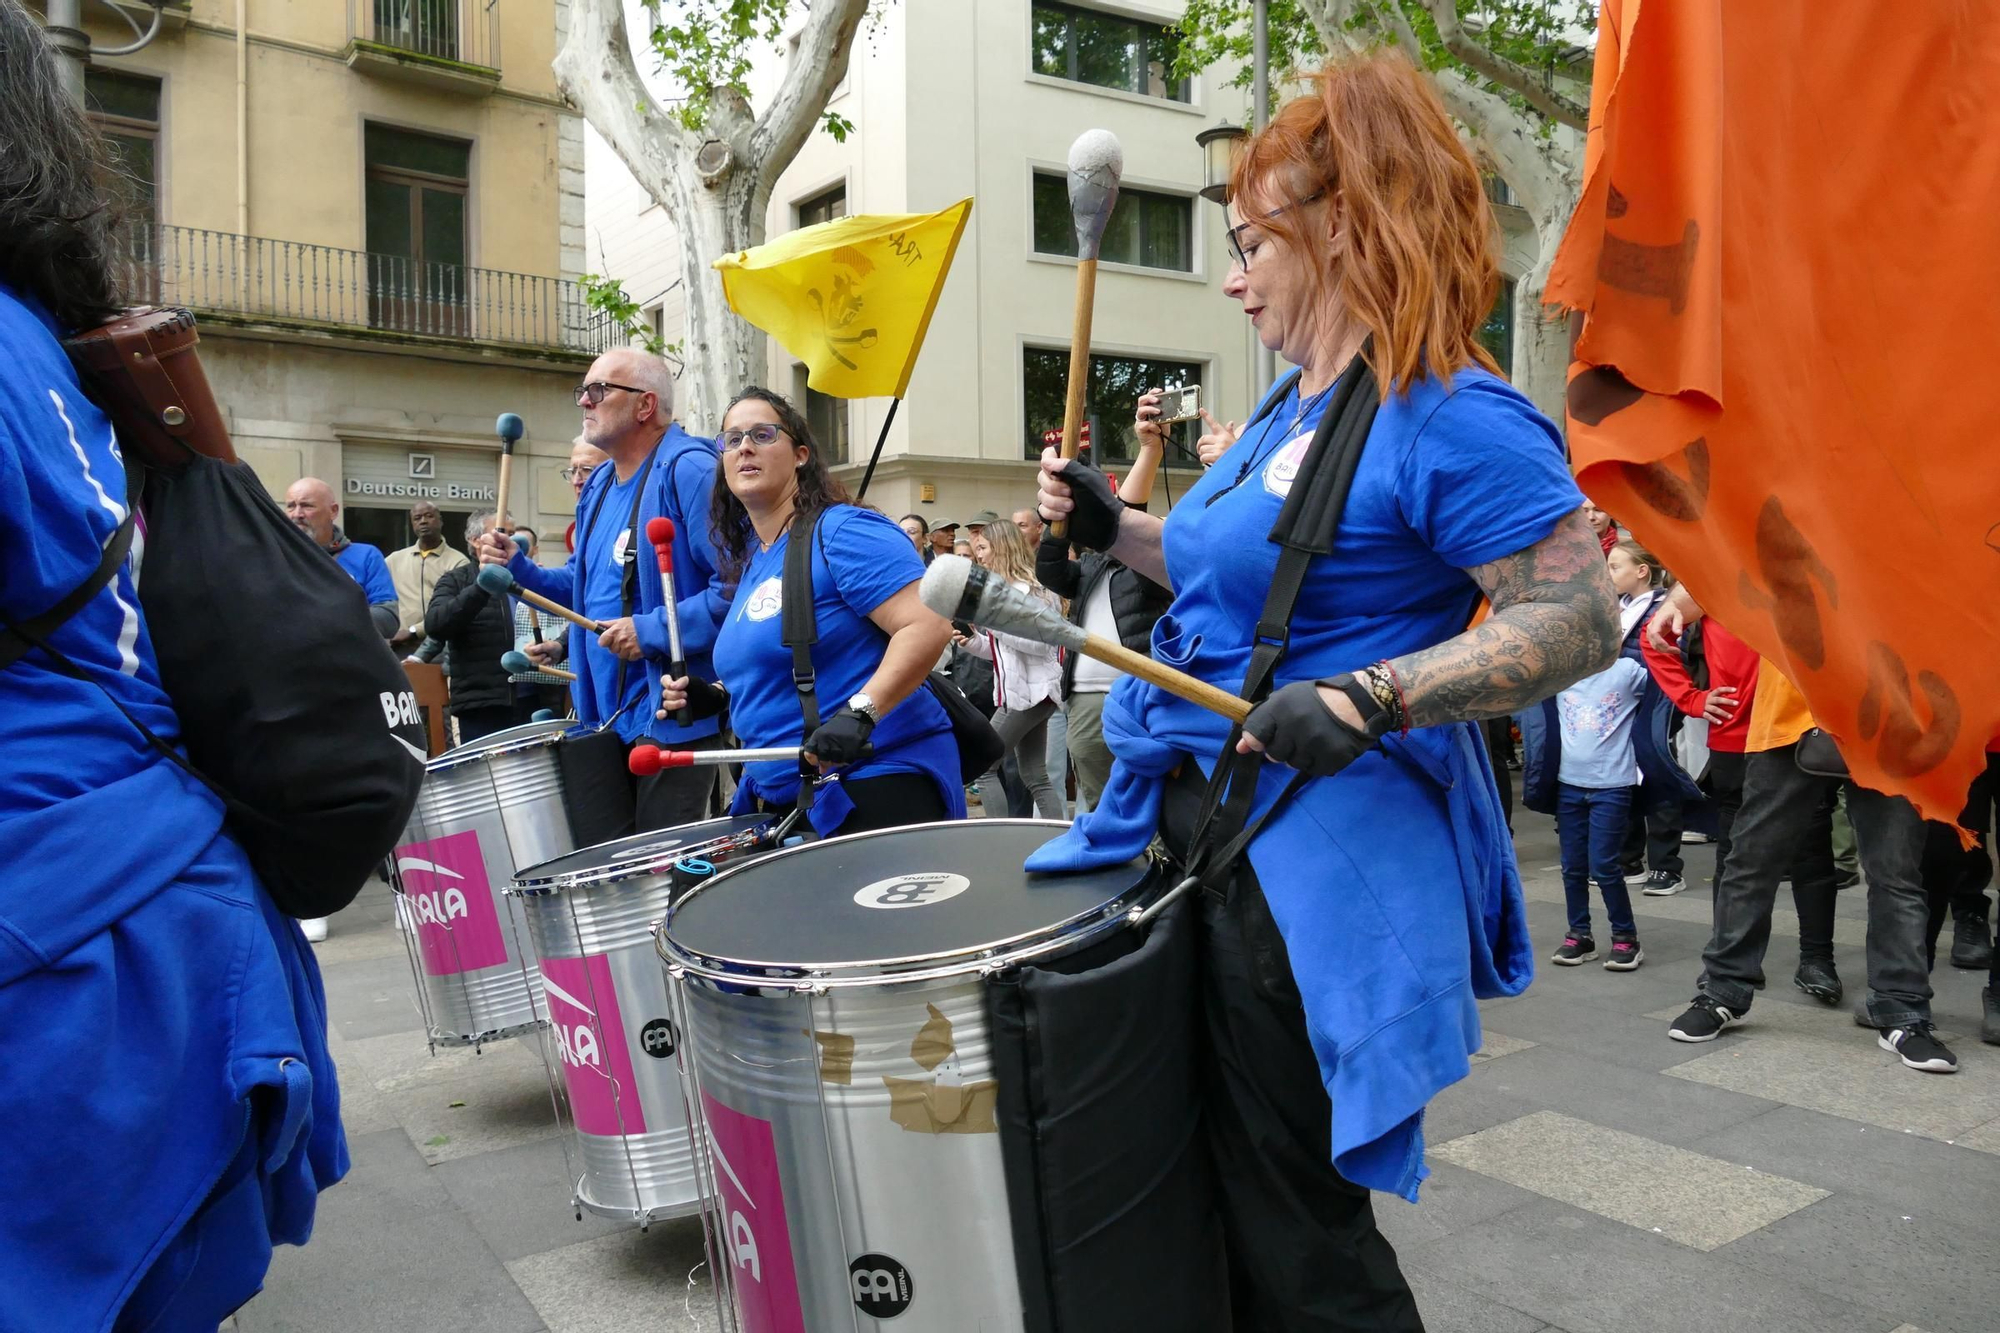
<point x="1590" y="1175"/>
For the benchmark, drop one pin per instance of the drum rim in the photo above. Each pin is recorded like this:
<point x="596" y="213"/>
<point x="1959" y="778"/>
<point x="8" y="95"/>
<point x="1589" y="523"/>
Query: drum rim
<point x="479" y="749"/>
<point x="526" y="884"/>
<point x="973" y="960"/>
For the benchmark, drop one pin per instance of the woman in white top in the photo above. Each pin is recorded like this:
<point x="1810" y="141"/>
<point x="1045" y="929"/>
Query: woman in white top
<point x="1027" y="676"/>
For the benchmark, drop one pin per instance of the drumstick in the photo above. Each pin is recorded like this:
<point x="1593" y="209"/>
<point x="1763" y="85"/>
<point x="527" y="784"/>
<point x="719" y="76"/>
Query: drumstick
<point x="496" y="579"/>
<point x="957" y="589"/>
<point x="1096" y="161"/>
<point x="660" y="532"/>
<point x="646" y="760"/>
<point x="510" y="429"/>
<point x="534" y="617"/>
<point x="518" y="663"/>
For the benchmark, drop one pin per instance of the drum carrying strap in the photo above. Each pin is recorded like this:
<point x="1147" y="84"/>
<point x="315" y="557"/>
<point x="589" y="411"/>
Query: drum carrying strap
<point x="1306" y="527"/>
<point x="798" y="626"/>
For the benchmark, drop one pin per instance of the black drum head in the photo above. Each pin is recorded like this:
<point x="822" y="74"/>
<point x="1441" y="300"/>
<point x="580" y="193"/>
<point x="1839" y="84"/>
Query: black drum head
<point x="623" y="856"/>
<point x="932" y="891"/>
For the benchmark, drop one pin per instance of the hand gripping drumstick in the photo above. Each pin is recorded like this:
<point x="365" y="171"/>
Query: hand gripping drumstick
<point x="495" y="579"/>
<point x="510" y="429"/>
<point x="1096" y="162"/>
<point x="957" y="589"/>
<point x="518" y="663"/>
<point x="522" y="540"/>
<point x="660" y="532"/>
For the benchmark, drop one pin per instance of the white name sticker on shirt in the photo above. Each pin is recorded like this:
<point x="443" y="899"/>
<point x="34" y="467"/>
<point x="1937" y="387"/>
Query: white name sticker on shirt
<point x="621" y="550"/>
<point x="1284" y="466"/>
<point x="765" y="600"/>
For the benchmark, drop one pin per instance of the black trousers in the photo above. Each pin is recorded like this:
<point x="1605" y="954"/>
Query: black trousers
<point x="891" y="800"/>
<point x="1304" y="1254"/>
<point x="1955" y="878"/>
<point x="1652" y="839"/>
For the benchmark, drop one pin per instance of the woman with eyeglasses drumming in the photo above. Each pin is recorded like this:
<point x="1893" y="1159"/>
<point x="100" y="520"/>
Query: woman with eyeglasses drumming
<point x="884" y="735"/>
<point x="1358" y="886"/>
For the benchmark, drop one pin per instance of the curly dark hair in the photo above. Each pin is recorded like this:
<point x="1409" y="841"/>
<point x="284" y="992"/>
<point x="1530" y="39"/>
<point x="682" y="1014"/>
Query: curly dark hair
<point x="819" y="490"/>
<point x="55" y="213"/>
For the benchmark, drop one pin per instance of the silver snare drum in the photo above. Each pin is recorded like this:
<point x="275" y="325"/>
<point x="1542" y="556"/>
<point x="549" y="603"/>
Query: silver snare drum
<point x="839" y="1067"/>
<point x="486" y="808"/>
<point x="591" y="915"/>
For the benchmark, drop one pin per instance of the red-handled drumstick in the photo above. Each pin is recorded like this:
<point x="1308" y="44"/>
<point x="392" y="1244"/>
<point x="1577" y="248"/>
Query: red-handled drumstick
<point x="660" y="532"/>
<point x="646" y="760"/>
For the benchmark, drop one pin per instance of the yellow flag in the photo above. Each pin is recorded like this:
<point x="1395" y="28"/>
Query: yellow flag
<point x="851" y="298"/>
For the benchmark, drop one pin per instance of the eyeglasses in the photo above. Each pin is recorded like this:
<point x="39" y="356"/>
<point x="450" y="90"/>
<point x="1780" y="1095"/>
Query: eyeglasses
<point x="578" y="471"/>
<point x="1240" y="252"/>
<point x="591" y="394"/>
<point x="761" y="434"/>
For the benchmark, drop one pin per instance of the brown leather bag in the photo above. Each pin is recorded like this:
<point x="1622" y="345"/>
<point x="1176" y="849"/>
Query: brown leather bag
<point x="142" y="369"/>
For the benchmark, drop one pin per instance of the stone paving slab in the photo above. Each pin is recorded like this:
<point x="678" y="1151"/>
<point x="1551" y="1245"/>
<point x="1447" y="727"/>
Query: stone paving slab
<point x="632" y="1282"/>
<point x="1700" y="1201"/>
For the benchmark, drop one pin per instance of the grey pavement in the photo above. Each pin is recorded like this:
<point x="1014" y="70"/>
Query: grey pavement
<point x="1590" y="1176"/>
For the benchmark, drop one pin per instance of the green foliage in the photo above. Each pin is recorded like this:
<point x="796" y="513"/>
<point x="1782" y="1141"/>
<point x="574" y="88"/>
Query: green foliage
<point x="708" y="46"/>
<point x="607" y="297"/>
<point x="837" y="125"/>
<point x="1537" y="35"/>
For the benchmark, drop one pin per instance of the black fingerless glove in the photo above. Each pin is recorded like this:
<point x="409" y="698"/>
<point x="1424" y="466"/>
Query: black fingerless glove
<point x="1296" y="728"/>
<point x="842" y="738"/>
<point x="1093" y="524"/>
<point x="706" y="699"/>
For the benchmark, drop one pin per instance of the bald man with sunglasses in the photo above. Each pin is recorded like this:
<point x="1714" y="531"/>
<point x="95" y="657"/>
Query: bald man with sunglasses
<point x="655" y="469"/>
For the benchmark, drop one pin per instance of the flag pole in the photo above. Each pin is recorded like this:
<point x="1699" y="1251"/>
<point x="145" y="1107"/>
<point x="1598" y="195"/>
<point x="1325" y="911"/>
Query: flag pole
<point x="876" y="457"/>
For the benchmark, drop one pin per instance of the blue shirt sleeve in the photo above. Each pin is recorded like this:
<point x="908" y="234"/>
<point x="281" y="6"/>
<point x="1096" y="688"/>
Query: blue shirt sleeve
<point x="1485" y="477"/>
<point x="558" y="584"/>
<point x="869" y="557"/>
<point x="702" y="603"/>
<point x="374" y="576"/>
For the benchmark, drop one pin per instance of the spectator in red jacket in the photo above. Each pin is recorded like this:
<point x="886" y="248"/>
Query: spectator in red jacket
<point x="1724" y="704"/>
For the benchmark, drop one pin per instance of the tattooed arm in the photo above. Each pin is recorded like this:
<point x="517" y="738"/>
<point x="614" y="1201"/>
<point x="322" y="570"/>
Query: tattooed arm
<point x="1554" y="621"/>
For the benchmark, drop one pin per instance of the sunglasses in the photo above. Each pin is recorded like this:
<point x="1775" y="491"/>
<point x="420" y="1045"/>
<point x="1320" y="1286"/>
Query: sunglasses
<point x="591" y="394"/>
<point x="1240" y="252"/>
<point x="761" y="434"/>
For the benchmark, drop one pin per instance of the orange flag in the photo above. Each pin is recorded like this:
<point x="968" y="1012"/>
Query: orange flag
<point x="1787" y="256"/>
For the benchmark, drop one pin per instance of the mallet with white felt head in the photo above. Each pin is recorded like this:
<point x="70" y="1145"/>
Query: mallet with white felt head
<point x="957" y="589"/>
<point x="1096" y="162"/>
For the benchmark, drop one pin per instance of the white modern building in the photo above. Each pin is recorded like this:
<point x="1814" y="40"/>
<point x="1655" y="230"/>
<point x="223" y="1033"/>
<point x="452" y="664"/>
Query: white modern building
<point x="951" y="98"/>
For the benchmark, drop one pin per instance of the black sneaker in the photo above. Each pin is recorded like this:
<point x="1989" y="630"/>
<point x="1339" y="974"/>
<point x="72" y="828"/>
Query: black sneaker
<point x="1971" y="943"/>
<point x="1661" y="883"/>
<point x="1704" y="1021"/>
<point x="1626" y="955"/>
<point x="1574" y="951"/>
<point x="1918" y="1047"/>
<point x="1817" y="978"/>
<point x="1989" y="1030"/>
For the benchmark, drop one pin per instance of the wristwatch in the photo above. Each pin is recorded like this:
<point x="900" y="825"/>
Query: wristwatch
<point x="864" y="705"/>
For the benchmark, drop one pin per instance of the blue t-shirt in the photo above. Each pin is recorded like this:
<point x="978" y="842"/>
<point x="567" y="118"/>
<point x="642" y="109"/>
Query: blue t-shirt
<point x="860" y="560"/>
<point x="1596" y="716"/>
<point x="365" y="565"/>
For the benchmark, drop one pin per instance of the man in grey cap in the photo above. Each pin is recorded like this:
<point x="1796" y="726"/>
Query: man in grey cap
<point x="980" y="520"/>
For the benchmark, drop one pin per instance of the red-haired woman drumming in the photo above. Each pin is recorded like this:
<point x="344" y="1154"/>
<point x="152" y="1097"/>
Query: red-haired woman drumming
<point x="1359" y="891"/>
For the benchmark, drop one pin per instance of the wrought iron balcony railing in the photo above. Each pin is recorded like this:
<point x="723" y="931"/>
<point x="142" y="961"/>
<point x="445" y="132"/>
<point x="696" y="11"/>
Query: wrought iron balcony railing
<point x="465" y="32"/>
<point x="291" y="282"/>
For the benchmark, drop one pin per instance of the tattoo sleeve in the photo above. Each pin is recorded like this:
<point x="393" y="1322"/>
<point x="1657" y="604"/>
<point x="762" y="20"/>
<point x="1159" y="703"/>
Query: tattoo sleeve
<point x="1554" y="621"/>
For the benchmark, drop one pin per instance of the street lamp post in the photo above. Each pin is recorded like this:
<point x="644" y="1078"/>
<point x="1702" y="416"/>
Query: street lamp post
<point x="64" y="27"/>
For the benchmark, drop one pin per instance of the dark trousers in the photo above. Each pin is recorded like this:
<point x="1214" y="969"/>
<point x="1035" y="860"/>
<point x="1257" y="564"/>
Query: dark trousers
<point x="1955" y="879"/>
<point x="1781" y="804"/>
<point x="1724" y="784"/>
<point x="1813" y="870"/>
<point x="892" y="800"/>
<point x="475" y="723"/>
<point x="1591" y="824"/>
<point x="1019" y="800"/>
<point x="1652" y="838"/>
<point x="1304" y="1254"/>
<point x="1498" y="733"/>
<point x="675" y="796"/>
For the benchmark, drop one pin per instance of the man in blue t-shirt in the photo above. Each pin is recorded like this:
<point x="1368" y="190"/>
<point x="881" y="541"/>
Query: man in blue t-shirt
<point x="311" y="507"/>
<point x="656" y="470"/>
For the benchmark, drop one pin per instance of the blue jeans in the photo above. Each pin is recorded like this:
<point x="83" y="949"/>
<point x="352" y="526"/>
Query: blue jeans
<point x="1591" y="822"/>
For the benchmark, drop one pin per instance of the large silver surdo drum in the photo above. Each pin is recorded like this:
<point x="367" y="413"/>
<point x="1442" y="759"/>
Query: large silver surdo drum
<point x="841" y="1072"/>
<point x="486" y="809"/>
<point x="591" y="915"/>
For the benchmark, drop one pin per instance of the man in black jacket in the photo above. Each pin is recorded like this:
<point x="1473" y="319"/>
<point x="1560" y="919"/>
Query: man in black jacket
<point x="477" y="629"/>
<point x="1113" y="602"/>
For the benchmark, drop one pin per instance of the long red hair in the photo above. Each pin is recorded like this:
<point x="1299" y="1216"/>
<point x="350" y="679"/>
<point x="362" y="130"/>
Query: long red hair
<point x="1419" y="271"/>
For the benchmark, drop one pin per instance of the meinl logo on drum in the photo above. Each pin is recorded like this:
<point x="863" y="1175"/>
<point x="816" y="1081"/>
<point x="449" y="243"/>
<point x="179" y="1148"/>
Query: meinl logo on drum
<point x="882" y="1286"/>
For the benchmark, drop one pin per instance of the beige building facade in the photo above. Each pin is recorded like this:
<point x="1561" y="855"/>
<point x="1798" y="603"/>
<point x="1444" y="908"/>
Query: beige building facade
<point x="375" y="208"/>
<point x="983" y="98"/>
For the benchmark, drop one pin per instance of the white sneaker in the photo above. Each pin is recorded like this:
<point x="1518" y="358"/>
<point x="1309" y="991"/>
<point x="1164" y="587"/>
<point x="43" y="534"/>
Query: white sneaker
<point x="314" y="927"/>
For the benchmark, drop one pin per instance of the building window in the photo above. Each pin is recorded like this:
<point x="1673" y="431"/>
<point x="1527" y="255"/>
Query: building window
<point x="1497" y="333"/>
<point x="1499" y="191"/>
<point x="1115" y="385"/>
<point x="126" y="108"/>
<point x="824" y="207"/>
<point x="826" y="415"/>
<point x="1107" y="50"/>
<point x="416" y="231"/>
<point x="1148" y="229"/>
